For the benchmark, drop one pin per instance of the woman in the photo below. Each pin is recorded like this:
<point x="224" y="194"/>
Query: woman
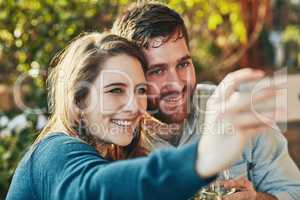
<point x="97" y="99"/>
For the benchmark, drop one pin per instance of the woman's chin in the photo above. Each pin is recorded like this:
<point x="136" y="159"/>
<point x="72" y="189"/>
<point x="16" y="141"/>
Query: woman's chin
<point x="123" y="141"/>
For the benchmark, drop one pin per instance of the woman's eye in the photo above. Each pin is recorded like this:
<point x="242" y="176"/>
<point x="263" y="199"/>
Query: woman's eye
<point x="116" y="91"/>
<point x="142" y="91"/>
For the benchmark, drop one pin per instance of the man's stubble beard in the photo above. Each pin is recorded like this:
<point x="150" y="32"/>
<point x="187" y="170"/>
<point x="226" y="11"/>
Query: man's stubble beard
<point x="177" y="116"/>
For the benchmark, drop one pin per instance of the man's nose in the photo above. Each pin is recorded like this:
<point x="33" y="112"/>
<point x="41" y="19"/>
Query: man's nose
<point x="173" y="80"/>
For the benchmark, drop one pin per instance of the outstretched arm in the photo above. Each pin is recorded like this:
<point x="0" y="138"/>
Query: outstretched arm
<point x="70" y="169"/>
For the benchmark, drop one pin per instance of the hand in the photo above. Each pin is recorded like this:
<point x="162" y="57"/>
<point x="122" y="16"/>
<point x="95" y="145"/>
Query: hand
<point x="229" y="123"/>
<point x="243" y="186"/>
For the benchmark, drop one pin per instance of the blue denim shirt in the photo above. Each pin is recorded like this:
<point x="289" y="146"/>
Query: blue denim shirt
<point x="265" y="160"/>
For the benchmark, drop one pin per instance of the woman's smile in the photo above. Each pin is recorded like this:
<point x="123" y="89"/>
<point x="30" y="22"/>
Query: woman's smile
<point x="125" y="123"/>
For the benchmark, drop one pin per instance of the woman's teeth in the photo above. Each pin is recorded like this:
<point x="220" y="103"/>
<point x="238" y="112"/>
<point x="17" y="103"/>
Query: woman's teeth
<point x="123" y="123"/>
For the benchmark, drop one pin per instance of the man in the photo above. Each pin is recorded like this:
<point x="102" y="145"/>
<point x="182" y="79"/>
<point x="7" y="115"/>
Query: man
<point x="265" y="170"/>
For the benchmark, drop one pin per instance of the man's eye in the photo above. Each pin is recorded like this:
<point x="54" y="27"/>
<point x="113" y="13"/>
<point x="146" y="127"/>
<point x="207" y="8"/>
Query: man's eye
<point x="183" y="65"/>
<point x="116" y="91"/>
<point x="155" y="72"/>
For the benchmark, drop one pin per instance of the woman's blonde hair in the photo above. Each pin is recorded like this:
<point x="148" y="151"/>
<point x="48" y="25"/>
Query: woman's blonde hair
<point x="72" y="70"/>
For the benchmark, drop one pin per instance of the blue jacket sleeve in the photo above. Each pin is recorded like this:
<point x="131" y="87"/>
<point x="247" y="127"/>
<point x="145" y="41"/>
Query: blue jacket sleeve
<point x="66" y="168"/>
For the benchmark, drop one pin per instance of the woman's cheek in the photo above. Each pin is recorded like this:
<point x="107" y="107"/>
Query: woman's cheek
<point x="143" y="104"/>
<point x="112" y="104"/>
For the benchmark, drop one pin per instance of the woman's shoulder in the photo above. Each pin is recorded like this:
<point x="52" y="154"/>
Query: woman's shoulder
<point x="57" y="137"/>
<point x="57" y="153"/>
<point x="54" y="150"/>
<point x="60" y="145"/>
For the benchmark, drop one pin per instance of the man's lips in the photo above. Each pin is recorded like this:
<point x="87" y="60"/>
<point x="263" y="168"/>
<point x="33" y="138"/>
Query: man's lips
<point x="174" y="98"/>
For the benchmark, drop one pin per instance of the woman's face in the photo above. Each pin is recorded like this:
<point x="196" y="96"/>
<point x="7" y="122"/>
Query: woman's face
<point x="117" y="100"/>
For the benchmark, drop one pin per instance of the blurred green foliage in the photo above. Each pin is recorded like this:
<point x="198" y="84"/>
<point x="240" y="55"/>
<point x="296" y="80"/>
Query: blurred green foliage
<point x="291" y="39"/>
<point x="12" y="148"/>
<point x="214" y="27"/>
<point x="33" y="31"/>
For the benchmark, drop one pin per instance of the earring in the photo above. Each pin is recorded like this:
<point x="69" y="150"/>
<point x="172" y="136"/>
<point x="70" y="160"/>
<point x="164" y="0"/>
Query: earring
<point x="83" y="133"/>
<point x="81" y="125"/>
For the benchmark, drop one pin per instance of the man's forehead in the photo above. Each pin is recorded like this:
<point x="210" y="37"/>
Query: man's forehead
<point x="167" y="52"/>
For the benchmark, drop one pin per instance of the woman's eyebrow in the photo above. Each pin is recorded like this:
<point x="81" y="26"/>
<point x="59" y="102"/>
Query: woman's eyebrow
<point x="141" y="85"/>
<point x="115" y="84"/>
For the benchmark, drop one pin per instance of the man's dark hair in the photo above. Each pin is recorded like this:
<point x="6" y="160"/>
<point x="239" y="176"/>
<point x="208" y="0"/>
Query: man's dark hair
<point x="147" y="20"/>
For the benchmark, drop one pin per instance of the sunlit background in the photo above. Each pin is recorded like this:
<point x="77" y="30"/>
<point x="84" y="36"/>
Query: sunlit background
<point x="225" y="35"/>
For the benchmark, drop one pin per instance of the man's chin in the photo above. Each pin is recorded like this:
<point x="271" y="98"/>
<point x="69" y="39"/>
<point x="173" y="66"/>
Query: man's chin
<point x="177" y="118"/>
<point x="171" y="117"/>
<point x="172" y="114"/>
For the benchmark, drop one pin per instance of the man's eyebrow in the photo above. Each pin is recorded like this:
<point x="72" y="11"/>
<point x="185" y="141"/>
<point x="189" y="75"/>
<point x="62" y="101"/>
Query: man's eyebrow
<point x="115" y="84"/>
<point x="186" y="57"/>
<point x="158" y="65"/>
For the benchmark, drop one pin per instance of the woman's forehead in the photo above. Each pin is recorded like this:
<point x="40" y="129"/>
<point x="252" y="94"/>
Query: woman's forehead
<point x="121" y="68"/>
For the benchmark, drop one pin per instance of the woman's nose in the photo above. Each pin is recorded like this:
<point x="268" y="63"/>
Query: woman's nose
<point x="131" y="104"/>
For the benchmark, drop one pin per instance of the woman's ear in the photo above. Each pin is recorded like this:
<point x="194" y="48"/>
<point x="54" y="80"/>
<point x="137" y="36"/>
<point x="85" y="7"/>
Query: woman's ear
<point x="78" y="107"/>
<point x="80" y="103"/>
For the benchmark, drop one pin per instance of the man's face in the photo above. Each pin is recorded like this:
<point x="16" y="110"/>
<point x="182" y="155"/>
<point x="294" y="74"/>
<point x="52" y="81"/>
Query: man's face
<point x="171" y="79"/>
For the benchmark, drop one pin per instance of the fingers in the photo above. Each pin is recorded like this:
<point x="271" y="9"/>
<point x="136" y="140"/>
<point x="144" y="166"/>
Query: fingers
<point x="250" y="119"/>
<point x="250" y="130"/>
<point x="242" y="102"/>
<point x="240" y="196"/>
<point x="246" y="118"/>
<point x="241" y="184"/>
<point x="232" y="80"/>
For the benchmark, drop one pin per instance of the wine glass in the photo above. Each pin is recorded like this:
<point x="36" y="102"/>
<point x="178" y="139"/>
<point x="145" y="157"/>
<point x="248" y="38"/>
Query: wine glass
<point x="224" y="176"/>
<point x="215" y="191"/>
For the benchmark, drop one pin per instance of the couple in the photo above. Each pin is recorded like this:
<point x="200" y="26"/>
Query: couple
<point x="99" y="90"/>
